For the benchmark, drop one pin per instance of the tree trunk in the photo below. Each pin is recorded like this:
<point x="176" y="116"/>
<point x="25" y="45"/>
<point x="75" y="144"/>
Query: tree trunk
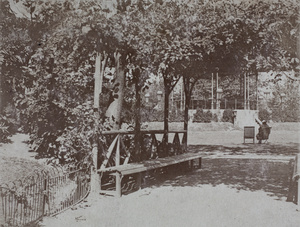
<point x="138" y="137"/>
<point x="188" y="88"/>
<point x="99" y="72"/>
<point x="1" y="93"/>
<point x="114" y="110"/>
<point x="166" y="110"/>
<point x="186" y="82"/>
<point x="256" y="85"/>
<point x="166" y="118"/>
<point x="241" y="85"/>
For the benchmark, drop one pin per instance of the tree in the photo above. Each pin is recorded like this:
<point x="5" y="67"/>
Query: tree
<point x="51" y="71"/>
<point x="285" y="103"/>
<point x="22" y="35"/>
<point x="131" y="29"/>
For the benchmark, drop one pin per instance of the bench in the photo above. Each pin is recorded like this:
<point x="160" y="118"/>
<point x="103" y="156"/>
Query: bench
<point x="138" y="168"/>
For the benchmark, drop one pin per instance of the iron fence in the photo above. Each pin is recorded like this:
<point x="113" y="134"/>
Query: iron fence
<point x="225" y="103"/>
<point x="43" y="193"/>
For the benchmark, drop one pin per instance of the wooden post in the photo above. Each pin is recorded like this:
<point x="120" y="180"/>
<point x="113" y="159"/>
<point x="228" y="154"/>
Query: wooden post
<point x="98" y="81"/>
<point x="45" y="196"/>
<point x="118" y="185"/>
<point x="296" y="177"/>
<point x="138" y="139"/>
<point x="118" y="156"/>
<point x="181" y="97"/>
<point x="95" y="180"/>
<point x="245" y="92"/>
<point x="192" y="164"/>
<point x="248" y="91"/>
<point x="298" y="194"/>
<point x="139" y="181"/>
<point x="212" y="91"/>
<point x="172" y="101"/>
<point x="256" y="76"/>
<point x="217" y="80"/>
<point x="118" y="175"/>
<point x="1" y="93"/>
<point x="165" y="140"/>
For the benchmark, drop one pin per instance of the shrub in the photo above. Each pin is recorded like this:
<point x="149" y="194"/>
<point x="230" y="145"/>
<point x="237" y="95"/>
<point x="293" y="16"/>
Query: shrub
<point x="263" y="114"/>
<point x="203" y="116"/>
<point x="6" y="128"/>
<point x="228" y="116"/>
<point x="176" y="116"/>
<point x="4" y="133"/>
<point x="215" y="117"/>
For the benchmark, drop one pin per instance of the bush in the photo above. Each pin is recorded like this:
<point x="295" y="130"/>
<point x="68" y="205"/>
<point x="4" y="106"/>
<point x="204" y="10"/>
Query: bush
<point x="150" y="115"/>
<point x="4" y="133"/>
<point x="228" y="116"/>
<point x="202" y="116"/>
<point x="6" y="128"/>
<point x="215" y="117"/>
<point x="263" y="114"/>
<point x="176" y="116"/>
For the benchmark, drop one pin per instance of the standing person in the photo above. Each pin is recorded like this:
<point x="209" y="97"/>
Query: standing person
<point x="262" y="130"/>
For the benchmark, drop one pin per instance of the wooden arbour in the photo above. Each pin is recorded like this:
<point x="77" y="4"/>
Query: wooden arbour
<point x="119" y="156"/>
<point x="120" y="151"/>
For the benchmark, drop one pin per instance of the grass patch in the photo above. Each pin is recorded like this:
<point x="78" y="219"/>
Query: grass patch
<point x="17" y="168"/>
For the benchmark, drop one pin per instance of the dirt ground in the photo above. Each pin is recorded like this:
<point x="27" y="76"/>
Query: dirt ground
<point x="225" y="192"/>
<point x="238" y="185"/>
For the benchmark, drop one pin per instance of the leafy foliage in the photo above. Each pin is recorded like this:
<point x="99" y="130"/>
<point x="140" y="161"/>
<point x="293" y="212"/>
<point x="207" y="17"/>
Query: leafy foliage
<point x="4" y="129"/>
<point x="202" y="116"/>
<point x="8" y="124"/>
<point x="176" y="116"/>
<point x="227" y="116"/>
<point x="285" y="108"/>
<point x="49" y="56"/>
<point x="264" y="114"/>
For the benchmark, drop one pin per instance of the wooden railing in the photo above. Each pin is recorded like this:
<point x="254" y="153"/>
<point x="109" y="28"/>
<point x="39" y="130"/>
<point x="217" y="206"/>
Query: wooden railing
<point x="119" y="147"/>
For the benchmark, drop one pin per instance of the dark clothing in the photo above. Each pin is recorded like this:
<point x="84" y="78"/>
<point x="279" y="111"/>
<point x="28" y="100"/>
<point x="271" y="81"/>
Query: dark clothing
<point x="262" y="132"/>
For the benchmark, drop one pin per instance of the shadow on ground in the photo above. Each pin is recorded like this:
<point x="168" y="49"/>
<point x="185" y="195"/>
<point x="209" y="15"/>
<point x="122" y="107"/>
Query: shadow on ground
<point x="241" y="174"/>
<point x="287" y="149"/>
<point x="247" y="174"/>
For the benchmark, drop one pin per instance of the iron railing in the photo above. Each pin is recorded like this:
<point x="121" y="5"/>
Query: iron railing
<point x="43" y="193"/>
<point x="236" y="104"/>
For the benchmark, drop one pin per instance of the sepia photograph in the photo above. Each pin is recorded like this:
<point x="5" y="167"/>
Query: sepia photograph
<point x="149" y="113"/>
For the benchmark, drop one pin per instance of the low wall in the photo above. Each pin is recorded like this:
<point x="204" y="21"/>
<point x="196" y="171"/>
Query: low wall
<point x="243" y="117"/>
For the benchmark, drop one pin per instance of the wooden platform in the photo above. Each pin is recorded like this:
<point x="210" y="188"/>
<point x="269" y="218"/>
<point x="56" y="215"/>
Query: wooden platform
<point x="137" y="168"/>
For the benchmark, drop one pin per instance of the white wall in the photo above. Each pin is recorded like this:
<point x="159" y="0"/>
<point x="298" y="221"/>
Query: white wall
<point x="246" y="118"/>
